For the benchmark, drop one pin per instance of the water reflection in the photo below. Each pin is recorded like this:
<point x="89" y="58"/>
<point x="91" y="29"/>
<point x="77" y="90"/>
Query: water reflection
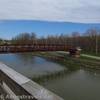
<point x="78" y="85"/>
<point x="30" y="65"/>
<point x="70" y="82"/>
<point x="92" y="72"/>
<point x="51" y="76"/>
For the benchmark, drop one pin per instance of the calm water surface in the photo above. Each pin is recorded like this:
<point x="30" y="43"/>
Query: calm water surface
<point x="78" y="84"/>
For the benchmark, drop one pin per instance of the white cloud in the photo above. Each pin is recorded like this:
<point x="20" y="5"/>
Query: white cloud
<point x="85" y="11"/>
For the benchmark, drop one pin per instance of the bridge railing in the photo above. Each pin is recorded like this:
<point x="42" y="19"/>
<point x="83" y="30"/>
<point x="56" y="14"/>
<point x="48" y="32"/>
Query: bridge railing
<point x="20" y="87"/>
<point x="25" y="48"/>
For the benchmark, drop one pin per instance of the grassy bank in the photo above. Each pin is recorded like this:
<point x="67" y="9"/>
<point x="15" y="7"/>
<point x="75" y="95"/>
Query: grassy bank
<point x="70" y="62"/>
<point x="59" y="58"/>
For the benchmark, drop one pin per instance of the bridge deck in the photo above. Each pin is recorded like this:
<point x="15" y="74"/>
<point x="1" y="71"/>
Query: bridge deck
<point x="29" y="48"/>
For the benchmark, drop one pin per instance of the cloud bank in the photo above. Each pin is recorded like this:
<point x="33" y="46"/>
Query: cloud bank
<point x="84" y="11"/>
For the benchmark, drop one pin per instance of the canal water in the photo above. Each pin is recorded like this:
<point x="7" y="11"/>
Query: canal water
<point x="77" y="84"/>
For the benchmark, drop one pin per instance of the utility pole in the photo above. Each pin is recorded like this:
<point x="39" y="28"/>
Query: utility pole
<point x="97" y="40"/>
<point x="96" y="49"/>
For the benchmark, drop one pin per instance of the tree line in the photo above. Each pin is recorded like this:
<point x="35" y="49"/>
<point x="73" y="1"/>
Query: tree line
<point x="89" y="41"/>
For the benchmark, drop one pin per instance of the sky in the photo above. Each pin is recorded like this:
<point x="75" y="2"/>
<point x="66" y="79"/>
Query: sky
<point x="47" y="16"/>
<point x="85" y="11"/>
<point x="11" y="28"/>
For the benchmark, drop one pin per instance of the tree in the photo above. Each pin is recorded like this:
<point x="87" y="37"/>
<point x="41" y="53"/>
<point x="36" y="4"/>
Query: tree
<point x="24" y="38"/>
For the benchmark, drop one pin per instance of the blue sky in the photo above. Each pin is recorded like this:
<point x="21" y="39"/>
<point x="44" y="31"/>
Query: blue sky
<point x="11" y="28"/>
<point x="47" y="16"/>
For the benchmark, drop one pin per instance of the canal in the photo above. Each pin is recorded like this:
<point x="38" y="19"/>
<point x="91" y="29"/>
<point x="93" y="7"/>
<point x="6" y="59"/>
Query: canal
<point x="77" y="84"/>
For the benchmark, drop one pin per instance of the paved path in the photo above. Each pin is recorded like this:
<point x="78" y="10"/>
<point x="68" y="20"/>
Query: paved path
<point x="64" y="52"/>
<point x="84" y="55"/>
<point x="94" y="57"/>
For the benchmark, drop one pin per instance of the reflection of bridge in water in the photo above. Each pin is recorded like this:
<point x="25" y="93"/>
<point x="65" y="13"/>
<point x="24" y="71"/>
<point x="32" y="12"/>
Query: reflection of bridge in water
<point x="34" y="47"/>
